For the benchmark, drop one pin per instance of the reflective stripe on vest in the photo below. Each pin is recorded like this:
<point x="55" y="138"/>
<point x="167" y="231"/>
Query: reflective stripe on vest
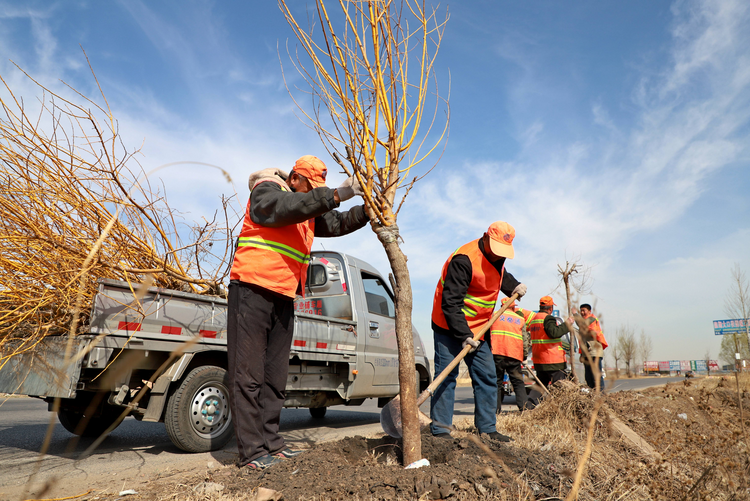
<point x="262" y="243"/>
<point x="481" y="295"/>
<point x="506" y="336"/>
<point x="544" y="350"/>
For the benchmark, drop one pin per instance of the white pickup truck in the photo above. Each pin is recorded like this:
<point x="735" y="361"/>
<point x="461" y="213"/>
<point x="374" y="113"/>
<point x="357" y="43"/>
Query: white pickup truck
<point x="174" y="343"/>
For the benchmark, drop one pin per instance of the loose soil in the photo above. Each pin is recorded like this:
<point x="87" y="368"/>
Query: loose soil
<point x="694" y="448"/>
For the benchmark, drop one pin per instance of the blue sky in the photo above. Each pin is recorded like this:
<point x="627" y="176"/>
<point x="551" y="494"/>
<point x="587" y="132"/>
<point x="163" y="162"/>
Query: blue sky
<point x="615" y="133"/>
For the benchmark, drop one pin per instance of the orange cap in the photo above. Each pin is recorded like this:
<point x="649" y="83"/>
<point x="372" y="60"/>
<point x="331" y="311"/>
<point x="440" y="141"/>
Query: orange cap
<point x="313" y="169"/>
<point x="505" y="300"/>
<point x="546" y="301"/>
<point x="501" y="239"/>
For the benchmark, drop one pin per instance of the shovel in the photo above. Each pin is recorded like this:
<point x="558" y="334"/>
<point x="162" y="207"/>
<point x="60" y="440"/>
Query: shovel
<point x="533" y="374"/>
<point x="390" y="416"/>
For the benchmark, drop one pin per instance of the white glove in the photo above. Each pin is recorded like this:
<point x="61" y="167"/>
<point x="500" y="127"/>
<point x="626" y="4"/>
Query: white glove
<point x="470" y="341"/>
<point x="349" y="188"/>
<point x="520" y="290"/>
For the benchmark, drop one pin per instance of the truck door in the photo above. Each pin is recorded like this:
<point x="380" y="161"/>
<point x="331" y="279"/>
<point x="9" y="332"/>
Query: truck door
<point x="380" y="326"/>
<point x="323" y="318"/>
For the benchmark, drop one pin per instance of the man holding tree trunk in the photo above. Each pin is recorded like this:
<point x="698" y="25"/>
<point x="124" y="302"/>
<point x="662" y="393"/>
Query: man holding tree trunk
<point x="283" y="215"/>
<point x="464" y="300"/>
<point x="596" y="344"/>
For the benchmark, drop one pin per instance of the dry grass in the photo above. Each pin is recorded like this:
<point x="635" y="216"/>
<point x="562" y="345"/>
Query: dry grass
<point x="67" y="181"/>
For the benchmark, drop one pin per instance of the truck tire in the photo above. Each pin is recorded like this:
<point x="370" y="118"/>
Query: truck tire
<point x="318" y="412"/>
<point x="96" y="424"/>
<point x="198" y="418"/>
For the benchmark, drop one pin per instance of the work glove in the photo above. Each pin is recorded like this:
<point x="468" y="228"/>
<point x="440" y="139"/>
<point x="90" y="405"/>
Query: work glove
<point x="520" y="289"/>
<point x="349" y="188"/>
<point x="470" y="341"/>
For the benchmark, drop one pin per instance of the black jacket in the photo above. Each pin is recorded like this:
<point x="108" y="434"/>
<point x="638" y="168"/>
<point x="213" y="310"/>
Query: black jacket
<point x="457" y="280"/>
<point x="271" y="206"/>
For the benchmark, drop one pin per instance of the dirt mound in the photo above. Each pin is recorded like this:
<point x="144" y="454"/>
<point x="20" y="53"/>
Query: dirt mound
<point x="685" y="442"/>
<point x="365" y="468"/>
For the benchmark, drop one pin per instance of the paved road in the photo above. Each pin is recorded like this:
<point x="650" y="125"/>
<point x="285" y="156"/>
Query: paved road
<point x="135" y="451"/>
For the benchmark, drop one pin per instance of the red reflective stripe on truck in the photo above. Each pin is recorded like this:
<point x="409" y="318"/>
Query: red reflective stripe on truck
<point x="129" y="326"/>
<point x="300" y="343"/>
<point x="209" y="334"/>
<point x="166" y="329"/>
<point x="322" y="346"/>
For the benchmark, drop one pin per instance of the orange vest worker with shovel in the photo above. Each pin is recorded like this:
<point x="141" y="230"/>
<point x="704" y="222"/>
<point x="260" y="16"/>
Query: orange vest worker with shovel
<point x="464" y="300"/>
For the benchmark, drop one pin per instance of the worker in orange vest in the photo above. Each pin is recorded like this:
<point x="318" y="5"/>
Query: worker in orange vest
<point x="546" y="343"/>
<point x="283" y="215"/>
<point x="596" y="344"/>
<point x="465" y="297"/>
<point x="509" y="349"/>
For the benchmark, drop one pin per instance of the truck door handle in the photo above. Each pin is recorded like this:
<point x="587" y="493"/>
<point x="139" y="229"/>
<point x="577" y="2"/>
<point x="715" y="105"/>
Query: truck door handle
<point x="374" y="325"/>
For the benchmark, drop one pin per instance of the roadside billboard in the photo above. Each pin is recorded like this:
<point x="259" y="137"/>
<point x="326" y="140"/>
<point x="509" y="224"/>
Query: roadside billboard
<point x="700" y="365"/>
<point x="713" y="365"/>
<point x="684" y="365"/>
<point x="663" y="366"/>
<point x="674" y="365"/>
<point x="731" y="326"/>
<point x="650" y="365"/>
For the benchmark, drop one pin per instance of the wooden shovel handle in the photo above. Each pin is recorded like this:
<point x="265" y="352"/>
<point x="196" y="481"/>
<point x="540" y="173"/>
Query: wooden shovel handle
<point x="436" y="382"/>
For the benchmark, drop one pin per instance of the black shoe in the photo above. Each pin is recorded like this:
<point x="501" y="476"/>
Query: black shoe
<point x="262" y="463"/>
<point x="498" y="436"/>
<point x="444" y="436"/>
<point x="287" y="453"/>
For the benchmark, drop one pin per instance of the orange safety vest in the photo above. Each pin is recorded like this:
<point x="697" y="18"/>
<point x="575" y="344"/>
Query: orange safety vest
<point x="482" y="294"/>
<point x="506" y="334"/>
<point x="273" y="258"/>
<point x="544" y="350"/>
<point x="596" y="327"/>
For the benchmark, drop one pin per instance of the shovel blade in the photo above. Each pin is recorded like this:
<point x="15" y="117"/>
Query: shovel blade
<point x="390" y="418"/>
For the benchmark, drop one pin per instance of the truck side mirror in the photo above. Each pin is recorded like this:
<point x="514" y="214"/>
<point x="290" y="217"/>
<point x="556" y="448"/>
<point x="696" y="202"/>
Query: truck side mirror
<point x="317" y="278"/>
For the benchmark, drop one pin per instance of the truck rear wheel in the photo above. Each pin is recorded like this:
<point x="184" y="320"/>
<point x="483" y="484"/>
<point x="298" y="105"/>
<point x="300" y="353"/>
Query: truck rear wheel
<point x="198" y="418"/>
<point x="79" y="423"/>
<point x="318" y="412"/>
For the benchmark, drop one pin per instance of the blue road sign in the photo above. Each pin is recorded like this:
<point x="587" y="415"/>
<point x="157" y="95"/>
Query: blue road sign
<point x="731" y="326"/>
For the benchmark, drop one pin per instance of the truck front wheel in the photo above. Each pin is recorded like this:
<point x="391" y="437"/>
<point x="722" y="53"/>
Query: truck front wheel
<point x="198" y="418"/>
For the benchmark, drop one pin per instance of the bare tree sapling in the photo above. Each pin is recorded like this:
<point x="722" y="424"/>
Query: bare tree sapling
<point x="369" y="69"/>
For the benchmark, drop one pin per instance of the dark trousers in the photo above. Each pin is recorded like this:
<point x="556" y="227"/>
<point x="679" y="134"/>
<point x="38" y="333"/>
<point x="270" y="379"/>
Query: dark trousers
<point x="589" y="374"/>
<point x="259" y="337"/>
<point x="512" y="366"/>
<point x="549" y="377"/>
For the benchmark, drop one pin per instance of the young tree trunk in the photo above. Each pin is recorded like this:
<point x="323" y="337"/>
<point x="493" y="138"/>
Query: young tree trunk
<point x="572" y="334"/>
<point x="412" y="442"/>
